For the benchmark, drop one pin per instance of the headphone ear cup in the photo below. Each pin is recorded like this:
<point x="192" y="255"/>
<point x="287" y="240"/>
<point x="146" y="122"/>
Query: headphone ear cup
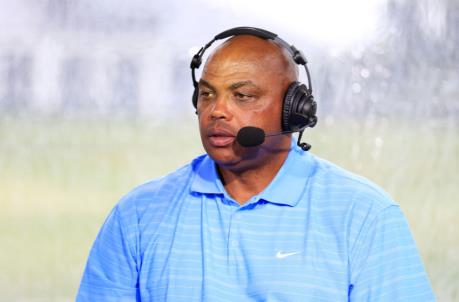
<point x="195" y="97"/>
<point x="287" y="105"/>
<point x="312" y="113"/>
<point x="299" y="109"/>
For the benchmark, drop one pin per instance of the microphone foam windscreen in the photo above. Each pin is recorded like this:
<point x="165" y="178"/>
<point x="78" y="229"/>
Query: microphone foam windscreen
<point x="250" y="136"/>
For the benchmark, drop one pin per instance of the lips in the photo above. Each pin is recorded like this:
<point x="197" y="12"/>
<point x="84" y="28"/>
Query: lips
<point x="219" y="137"/>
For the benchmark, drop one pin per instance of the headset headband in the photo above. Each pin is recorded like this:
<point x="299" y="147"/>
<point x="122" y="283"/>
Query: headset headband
<point x="296" y="54"/>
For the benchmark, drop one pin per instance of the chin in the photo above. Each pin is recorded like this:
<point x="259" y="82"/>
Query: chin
<point x="235" y="158"/>
<point x="223" y="156"/>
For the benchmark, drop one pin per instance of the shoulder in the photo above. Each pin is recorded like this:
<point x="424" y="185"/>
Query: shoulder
<point x="344" y="186"/>
<point x="345" y="200"/>
<point x="159" y="192"/>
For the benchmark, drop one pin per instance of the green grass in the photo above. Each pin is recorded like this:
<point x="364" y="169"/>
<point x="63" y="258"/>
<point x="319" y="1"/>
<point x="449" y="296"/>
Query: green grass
<point x="59" y="179"/>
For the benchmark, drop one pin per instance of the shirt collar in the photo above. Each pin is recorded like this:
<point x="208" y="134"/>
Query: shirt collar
<point x="206" y="177"/>
<point x="286" y="188"/>
<point x="289" y="184"/>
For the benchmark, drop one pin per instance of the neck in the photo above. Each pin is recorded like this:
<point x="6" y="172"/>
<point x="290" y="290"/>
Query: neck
<point x="243" y="184"/>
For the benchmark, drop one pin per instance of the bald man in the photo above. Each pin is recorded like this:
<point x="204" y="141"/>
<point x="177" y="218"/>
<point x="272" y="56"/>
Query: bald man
<point x="266" y="223"/>
<point x="243" y="83"/>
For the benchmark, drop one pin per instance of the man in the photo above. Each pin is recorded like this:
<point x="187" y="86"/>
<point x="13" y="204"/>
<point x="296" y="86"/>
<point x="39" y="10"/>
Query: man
<point x="264" y="223"/>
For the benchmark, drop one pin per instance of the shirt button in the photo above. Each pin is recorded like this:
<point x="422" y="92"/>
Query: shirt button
<point x="234" y="243"/>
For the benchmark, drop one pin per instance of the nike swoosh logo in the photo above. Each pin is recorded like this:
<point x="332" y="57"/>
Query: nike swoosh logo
<point x="281" y="255"/>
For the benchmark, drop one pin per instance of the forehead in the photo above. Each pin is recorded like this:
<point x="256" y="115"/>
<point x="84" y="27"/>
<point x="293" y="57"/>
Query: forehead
<point x="234" y="67"/>
<point x="247" y="56"/>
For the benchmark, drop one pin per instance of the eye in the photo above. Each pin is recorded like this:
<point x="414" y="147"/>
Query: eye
<point x="205" y="94"/>
<point x="242" y="96"/>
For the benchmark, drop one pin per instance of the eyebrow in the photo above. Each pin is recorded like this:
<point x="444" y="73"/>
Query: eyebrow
<point x="205" y="83"/>
<point x="231" y="87"/>
<point x="242" y="83"/>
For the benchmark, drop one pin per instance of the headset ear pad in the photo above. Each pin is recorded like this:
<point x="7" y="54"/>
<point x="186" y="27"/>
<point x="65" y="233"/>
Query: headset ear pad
<point x="287" y="106"/>
<point x="299" y="108"/>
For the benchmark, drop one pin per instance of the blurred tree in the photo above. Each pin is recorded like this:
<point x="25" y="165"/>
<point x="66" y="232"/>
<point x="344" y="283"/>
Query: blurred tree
<point x="16" y="79"/>
<point x="411" y="68"/>
<point x="125" y="87"/>
<point x="75" y="83"/>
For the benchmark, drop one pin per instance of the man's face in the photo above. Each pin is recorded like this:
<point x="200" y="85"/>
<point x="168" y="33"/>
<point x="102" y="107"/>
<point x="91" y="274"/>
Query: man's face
<point x="239" y="88"/>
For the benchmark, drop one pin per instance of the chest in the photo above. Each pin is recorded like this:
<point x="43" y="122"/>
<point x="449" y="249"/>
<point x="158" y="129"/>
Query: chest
<point x="213" y="252"/>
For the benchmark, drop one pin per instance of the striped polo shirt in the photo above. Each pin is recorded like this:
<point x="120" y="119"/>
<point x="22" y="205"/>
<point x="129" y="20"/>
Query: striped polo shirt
<point x="316" y="233"/>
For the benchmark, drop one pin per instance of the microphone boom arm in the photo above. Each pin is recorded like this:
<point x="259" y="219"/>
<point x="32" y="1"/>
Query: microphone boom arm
<point x="305" y="146"/>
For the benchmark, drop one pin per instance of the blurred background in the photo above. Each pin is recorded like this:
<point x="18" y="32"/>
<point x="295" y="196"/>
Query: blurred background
<point x="95" y="98"/>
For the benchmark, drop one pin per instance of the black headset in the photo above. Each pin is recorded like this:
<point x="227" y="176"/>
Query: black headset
<point x="299" y="108"/>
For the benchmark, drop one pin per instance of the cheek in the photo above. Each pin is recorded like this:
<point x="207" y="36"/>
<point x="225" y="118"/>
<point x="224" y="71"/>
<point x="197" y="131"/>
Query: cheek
<point x="270" y="117"/>
<point x="264" y="119"/>
<point x="202" y="124"/>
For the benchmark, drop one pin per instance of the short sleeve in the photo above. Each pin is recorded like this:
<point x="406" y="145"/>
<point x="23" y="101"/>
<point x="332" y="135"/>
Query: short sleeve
<point x="111" y="269"/>
<point x="385" y="263"/>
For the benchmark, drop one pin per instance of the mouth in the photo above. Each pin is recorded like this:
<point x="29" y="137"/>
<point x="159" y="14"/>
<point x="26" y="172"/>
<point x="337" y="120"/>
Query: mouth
<point x="220" y="137"/>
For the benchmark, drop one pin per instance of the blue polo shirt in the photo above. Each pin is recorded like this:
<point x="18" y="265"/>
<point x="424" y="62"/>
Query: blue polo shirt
<point x="316" y="233"/>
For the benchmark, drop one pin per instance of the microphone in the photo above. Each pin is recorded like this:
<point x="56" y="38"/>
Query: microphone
<point x="250" y="136"/>
<point x="253" y="136"/>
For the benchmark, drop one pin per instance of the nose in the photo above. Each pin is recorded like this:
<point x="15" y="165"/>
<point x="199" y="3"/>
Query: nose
<point x="220" y="109"/>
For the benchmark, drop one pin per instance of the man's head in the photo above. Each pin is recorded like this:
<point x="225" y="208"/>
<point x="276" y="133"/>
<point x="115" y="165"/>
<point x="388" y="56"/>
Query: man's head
<point x="243" y="84"/>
